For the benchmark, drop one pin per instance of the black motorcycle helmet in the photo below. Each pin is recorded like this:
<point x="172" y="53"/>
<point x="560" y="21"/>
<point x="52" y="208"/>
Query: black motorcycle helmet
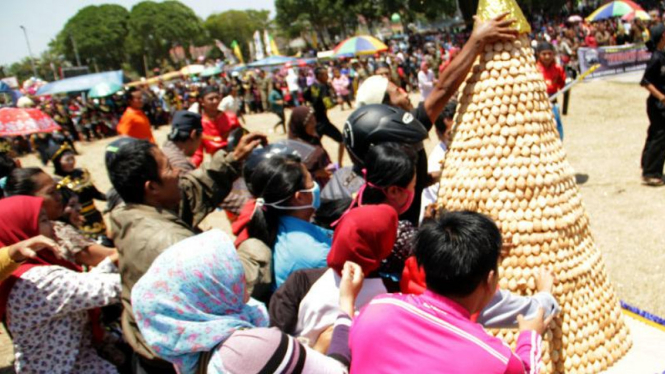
<point x="377" y="123"/>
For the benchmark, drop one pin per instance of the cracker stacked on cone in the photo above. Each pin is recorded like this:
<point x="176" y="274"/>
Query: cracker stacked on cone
<point x="506" y="161"/>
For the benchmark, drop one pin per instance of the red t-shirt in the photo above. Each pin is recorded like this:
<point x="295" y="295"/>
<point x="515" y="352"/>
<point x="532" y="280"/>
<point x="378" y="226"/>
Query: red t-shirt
<point x="215" y="134"/>
<point x="555" y="77"/>
<point x="590" y="41"/>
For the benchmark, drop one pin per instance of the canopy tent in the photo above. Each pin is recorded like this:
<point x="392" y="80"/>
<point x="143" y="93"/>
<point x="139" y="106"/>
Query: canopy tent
<point x="80" y="83"/>
<point x="271" y="61"/>
<point x="210" y="71"/>
<point x="4" y="87"/>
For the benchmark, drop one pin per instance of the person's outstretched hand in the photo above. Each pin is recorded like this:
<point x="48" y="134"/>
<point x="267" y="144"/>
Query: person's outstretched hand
<point x="247" y="144"/>
<point x="545" y="280"/>
<point x="538" y="323"/>
<point x="494" y="30"/>
<point x="349" y="286"/>
<point x="28" y="248"/>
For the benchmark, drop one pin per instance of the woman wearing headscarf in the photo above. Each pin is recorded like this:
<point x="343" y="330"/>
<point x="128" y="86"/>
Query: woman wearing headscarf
<point x="365" y="236"/>
<point x="50" y="307"/>
<point x="193" y="310"/>
<point x="302" y="127"/>
<point x="74" y="246"/>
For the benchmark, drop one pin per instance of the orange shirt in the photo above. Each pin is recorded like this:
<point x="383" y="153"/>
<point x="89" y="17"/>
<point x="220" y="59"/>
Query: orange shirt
<point x="134" y="123"/>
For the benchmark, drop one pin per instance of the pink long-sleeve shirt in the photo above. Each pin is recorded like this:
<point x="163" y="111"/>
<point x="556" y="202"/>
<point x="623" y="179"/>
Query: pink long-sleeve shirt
<point x="430" y="333"/>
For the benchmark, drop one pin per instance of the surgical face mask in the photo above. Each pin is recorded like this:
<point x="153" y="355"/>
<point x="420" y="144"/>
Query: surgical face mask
<point x="316" y="200"/>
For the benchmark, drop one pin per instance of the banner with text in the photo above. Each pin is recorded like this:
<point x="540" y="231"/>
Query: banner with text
<point x="613" y="60"/>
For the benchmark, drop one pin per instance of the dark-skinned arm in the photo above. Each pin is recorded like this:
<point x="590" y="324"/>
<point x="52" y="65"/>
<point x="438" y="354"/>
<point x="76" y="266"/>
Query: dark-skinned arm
<point x="452" y="78"/>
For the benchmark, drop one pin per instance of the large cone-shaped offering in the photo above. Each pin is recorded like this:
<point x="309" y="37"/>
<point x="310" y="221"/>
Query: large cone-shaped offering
<point x="506" y="161"/>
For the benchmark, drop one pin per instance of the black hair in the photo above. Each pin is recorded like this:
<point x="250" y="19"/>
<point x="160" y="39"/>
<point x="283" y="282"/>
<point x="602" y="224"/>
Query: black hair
<point x="133" y="165"/>
<point x="7" y="164"/>
<point x="387" y="164"/>
<point x="331" y="211"/>
<point x="128" y="94"/>
<point x="448" y="113"/>
<point x="320" y="70"/>
<point x="208" y="90"/>
<point x="382" y="65"/>
<point x="57" y="167"/>
<point x="457" y="251"/>
<point x="21" y="181"/>
<point x="275" y="179"/>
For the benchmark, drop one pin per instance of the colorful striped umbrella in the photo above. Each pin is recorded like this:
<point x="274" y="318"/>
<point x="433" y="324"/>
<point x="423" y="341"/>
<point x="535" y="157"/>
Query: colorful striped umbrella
<point x="639" y="14"/>
<point x="614" y="9"/>
<point x="359" y="46"/>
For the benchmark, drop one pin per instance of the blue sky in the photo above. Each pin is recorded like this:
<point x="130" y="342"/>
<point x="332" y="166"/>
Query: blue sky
<point x="43" y="19"/>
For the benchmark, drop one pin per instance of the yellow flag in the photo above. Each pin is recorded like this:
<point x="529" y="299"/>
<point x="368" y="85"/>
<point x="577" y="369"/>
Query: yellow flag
<point x="489" y="9"/>
<point x="237" y="52"/>
<point x="273" y="47"/>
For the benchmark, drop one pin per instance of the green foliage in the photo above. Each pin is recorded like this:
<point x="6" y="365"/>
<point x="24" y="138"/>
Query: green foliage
<point x="238" y="25"/>
<point x="155" y="28"/>
<point x="99" y="33"/>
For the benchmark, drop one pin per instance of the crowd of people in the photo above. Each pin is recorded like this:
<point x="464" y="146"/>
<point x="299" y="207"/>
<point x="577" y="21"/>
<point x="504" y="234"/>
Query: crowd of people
<point x="327" y="259"/>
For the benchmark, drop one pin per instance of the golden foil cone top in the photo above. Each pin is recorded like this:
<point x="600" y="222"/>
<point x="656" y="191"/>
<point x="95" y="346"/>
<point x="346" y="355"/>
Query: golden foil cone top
<point x="489" y="9"/>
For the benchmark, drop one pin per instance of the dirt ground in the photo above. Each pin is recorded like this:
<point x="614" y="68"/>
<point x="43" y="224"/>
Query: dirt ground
<point x="604" y="136"/>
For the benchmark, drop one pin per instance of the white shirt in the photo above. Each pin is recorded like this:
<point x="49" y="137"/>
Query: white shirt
<point x="430" y="194"/>
<point x="425" y="83"/>
<point x="320" y="307"/>
<point x="292" y="81"/>
<point x="229" y="104"/>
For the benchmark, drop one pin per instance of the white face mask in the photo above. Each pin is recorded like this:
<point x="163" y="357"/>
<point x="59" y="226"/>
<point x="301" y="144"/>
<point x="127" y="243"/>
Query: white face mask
<point x="316" y="200"/>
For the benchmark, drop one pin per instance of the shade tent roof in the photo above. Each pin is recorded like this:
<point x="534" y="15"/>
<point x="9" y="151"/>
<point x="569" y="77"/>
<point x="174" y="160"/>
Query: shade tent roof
<point x="271" y="61"/>
<point x="81" y="83"/>
<point x="4" y="87"/>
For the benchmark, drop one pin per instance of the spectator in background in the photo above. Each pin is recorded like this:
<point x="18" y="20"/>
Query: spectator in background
<point x="294" y="88"/>
<point x="134" y="122"/>
<point x="340" y="83"/>
<point x="231" y="103"/>
<point x="216" y="125"/>
<point x="183" y="140"/>
<point x="321" y="96"/>
<point x="425" y="80"/>
<point x="276" y="101"/>
<point x="603" y="36"/>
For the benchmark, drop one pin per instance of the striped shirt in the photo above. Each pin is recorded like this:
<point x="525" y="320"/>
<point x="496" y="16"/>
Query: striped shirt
<point x="430" y="333"/>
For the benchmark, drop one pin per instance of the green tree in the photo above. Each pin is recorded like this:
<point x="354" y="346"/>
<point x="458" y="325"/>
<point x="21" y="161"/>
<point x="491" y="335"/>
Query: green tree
<point x="99" y="33"/>
<point x="238" y="25"/>
<point x="155" y="28"/>
<point x="318" y="16"/>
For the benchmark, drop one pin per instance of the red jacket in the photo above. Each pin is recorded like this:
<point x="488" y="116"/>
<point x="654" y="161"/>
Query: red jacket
<point x="215" y="134"/>
<point x="555" y="77"/>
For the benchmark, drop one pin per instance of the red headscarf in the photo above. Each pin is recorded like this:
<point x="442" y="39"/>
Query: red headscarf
<point x="19" y="220"/>
<point x="365" y="235"/>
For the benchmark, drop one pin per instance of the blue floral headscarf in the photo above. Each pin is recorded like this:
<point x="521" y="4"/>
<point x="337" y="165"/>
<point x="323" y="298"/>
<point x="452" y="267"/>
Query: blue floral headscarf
<point x="192" y="299"/>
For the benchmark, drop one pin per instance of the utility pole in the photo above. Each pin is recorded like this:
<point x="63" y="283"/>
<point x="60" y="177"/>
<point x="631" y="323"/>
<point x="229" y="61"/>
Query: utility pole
<point x="76" y="50"/>
<point x="32" y="59"/>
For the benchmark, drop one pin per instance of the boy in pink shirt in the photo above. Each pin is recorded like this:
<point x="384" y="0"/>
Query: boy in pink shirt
<point x="433" y="332"/>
